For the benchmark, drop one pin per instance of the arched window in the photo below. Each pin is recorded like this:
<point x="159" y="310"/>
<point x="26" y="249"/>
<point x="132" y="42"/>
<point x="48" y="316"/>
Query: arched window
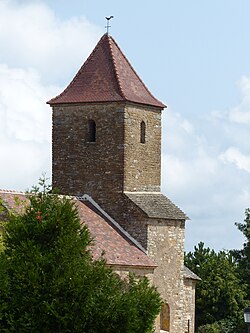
<point x="143" y="132"/>
<point x="165" y="317"/>
<point x="91" y="131"/>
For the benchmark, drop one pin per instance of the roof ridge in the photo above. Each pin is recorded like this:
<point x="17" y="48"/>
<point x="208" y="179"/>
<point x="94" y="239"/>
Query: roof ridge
<point x="131" y="66"/>
<point x="12" y="191"/>
<point x="87" y="197"/>
<point x="143" y="192"/>
<point x="115" y="66"/>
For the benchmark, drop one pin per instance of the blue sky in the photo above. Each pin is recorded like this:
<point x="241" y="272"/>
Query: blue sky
<point x="193" y="55"/>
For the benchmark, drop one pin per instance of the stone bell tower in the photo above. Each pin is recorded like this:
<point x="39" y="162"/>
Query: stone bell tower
<point x="106" y="129"/>
<point x="107" y="144"/>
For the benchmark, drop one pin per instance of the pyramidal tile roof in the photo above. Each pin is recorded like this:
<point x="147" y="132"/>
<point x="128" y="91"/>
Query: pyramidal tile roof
<point x="106" y="76"/>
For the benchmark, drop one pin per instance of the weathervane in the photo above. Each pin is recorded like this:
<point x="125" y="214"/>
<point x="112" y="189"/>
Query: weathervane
<point x="108" y="26"/>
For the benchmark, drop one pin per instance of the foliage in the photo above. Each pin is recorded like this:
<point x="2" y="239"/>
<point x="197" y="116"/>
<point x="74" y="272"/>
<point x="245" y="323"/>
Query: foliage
<point x="220" y="294"/>
<point x="2" y="211"/>
<point x="223" y="326"/>
<point x="49" y="282"/>
<point x="242" y="256"/>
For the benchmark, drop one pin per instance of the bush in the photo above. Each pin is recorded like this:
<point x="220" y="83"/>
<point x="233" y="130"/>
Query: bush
<point x="49" y="282"/>
<point x="230" y="325"/>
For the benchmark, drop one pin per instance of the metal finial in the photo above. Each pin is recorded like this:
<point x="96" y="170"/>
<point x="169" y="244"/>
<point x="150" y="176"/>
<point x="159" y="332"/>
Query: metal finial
<point x="108" y="26"/>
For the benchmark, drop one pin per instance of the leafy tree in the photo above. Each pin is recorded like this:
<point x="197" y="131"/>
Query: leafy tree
<point x="2" y="218"/>
<point x="230" y="325"/>
<point x="242" y="256"/>
<point x="49" y="282"/>
<point x="220" y="294"/>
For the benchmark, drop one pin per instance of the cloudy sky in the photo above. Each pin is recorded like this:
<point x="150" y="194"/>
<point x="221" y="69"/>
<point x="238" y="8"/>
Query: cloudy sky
<point x="193" y="55"/>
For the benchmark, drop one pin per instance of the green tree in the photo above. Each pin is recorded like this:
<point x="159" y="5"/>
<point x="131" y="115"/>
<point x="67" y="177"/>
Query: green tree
<point x="242" y="256"/>
<point x="220" y="294"/>
<point x="2" y="218"/>
<point x="231" y="325"/>
<point x="49" y="282"/>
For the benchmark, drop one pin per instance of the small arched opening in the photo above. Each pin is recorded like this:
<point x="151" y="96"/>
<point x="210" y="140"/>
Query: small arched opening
<point x="165" y="318"/>
<point x="143" y="132"/>
<point x="91" y="131"/>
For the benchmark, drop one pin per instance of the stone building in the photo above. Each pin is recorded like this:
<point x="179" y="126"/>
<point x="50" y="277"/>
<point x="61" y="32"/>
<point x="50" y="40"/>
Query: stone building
<point x="107" y="153"/>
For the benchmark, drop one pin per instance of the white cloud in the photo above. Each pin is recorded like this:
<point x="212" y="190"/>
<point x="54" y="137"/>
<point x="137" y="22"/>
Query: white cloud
<point x="244" y="84"/>
<point x="233" y="155"/>
<point x="241" y="113"/>
<point x="25" y="127"/>
<point x="33" y="36"/>
<point x="199" y="175"/>
<point x="37" y="49"/>
<point x="24" y="113"/>
<point x="178" y="131"/>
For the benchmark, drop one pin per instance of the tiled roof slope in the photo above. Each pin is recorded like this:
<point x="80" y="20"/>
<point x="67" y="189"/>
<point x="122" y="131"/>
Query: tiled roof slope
<point x="106" y="76"/>
<point x="156" y="205"/>
<point x="188" y="274"/>
<point x="14" y="201"/>
<point x="118" y="249"/>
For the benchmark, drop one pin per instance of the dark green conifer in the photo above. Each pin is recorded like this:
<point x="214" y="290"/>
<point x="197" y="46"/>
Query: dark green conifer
<point x="49" y="282"/>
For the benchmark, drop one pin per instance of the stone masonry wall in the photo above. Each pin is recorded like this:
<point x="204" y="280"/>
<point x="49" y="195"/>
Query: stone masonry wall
<point x="139" y="272"/>
<point x="115" y="163"/>
<point x="166" y="248"/>
<point x="189" y="304"/>
<point x="79" y="166"/>
<point x="142" y="161"/>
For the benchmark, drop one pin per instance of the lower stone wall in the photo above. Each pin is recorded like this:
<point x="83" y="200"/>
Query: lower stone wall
<point x="164" y="241"/>
<point x="166" y="248"/>
<point x="189" y="304"/>
<point x="139" y="272"/>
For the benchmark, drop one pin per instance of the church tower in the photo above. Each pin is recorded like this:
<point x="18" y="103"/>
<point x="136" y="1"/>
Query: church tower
<point x="109" y="125"/>
<point x="107" y="144"/>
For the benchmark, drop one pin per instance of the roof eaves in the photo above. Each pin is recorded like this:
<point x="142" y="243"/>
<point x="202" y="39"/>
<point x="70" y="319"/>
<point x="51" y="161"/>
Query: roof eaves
<point x="53" y="100"/>
<point x="129" y="64"/>
<point x="188" y="274"/>
<point x="153" y="266"/>
<point x="173" y="211"/>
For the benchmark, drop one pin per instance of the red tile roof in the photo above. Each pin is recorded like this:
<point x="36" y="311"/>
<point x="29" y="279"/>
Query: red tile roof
<point x="106" y="76"/>
<point x="16" y="201"/>
<point x="118" y="249"/>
